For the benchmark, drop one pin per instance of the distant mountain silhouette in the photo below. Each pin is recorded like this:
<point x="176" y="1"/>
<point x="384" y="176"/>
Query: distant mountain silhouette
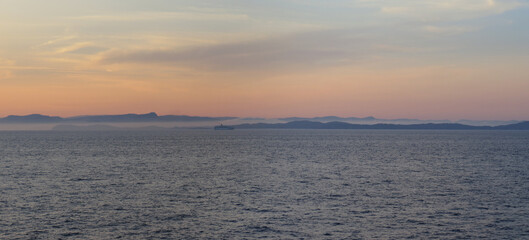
<point x="516" y="126"/>
<point x="149" y="117"/>
<point x="33" y="118"/>
<point x="124" y="118"/>
<point x="308" y="125"/>
<point x="343" y="125"/>
<point x="328" y="119"/>
<point x="373" y="120"/>
<point x="329" y="122"/>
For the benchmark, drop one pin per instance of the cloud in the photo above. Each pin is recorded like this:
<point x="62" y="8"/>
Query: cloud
<point x="5" y="74"/>
<point x="6" y="66"/>
<point x="74" y="47"/>
<point x="6" y="62"/>
<point x="295" y="50"/>
<point x="164" y="16"/>
<point x="395" y="10"/>
<point x="58" y="40"/>
<point x="445" y="10"/>
<point x="81" y="48"/>
<point x="88" y="50"/>
<point x="448" y="30"/>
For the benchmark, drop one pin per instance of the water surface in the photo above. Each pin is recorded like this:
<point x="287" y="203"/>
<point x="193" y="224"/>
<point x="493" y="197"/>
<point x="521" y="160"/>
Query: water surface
<point x="279" y="184"/>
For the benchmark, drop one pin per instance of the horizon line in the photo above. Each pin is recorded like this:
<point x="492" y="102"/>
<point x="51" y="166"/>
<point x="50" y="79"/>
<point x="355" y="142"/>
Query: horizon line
<point x="266" y="118"/>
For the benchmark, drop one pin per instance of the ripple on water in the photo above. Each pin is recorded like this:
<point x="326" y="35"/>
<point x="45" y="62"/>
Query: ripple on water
<point x="247" y="184"/>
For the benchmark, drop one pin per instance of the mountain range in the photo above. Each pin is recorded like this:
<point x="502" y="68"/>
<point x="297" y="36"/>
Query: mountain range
<point x="344" y="125"/>
<point x="123" y="118"/>
<point x="311" y="125"/>
<point x="153" y="117"/>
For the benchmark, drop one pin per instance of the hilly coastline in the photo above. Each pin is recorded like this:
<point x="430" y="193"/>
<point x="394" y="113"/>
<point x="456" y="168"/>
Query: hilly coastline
<point x="309" y="125"/>
<point x="343" y="125"/>
<point x="123" y="118"/>
<point x="155" y="118"/>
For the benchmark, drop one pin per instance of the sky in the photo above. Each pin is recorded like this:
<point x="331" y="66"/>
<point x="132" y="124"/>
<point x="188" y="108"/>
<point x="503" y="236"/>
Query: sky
<point x="426" y="59"/>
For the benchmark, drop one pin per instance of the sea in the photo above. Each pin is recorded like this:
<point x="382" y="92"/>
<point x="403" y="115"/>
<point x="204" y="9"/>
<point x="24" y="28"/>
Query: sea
<point x="264" y="184"/>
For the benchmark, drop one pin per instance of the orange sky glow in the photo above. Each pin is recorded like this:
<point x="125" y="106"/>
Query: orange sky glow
<point x="463" y="60"/>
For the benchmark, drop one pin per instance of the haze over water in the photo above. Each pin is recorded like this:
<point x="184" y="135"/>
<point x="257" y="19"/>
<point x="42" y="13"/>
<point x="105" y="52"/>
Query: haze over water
<point x="282" y="184"/>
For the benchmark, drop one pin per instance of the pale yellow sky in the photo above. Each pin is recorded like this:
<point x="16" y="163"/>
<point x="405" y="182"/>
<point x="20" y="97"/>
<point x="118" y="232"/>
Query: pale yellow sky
<point x="449" y="59"/>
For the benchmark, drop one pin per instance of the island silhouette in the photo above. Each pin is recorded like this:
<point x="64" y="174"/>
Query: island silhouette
<point x="327" y="122"/>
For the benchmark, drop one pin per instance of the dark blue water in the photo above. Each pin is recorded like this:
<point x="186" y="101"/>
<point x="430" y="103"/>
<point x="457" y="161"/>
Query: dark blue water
<point x="279" y="184"/>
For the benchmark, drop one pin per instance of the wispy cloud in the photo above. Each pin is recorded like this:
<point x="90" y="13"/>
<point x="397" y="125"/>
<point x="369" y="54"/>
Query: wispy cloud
<point x="80" y="48"/>
<point x="6" y="62"/>
<point x="74" y="47"/>
<point x="446" y="10"/>
<point x="5" y="68"/>
<point x="156" y="16"/>
<point x="448" y="30"/>
<point x="57" y="40"/>
<point x="295" y="50"/>
<point x="9" y="68"/>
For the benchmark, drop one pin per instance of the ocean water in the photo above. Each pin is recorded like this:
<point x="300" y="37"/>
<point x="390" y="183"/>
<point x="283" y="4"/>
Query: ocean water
<point x="268" y="184"/>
